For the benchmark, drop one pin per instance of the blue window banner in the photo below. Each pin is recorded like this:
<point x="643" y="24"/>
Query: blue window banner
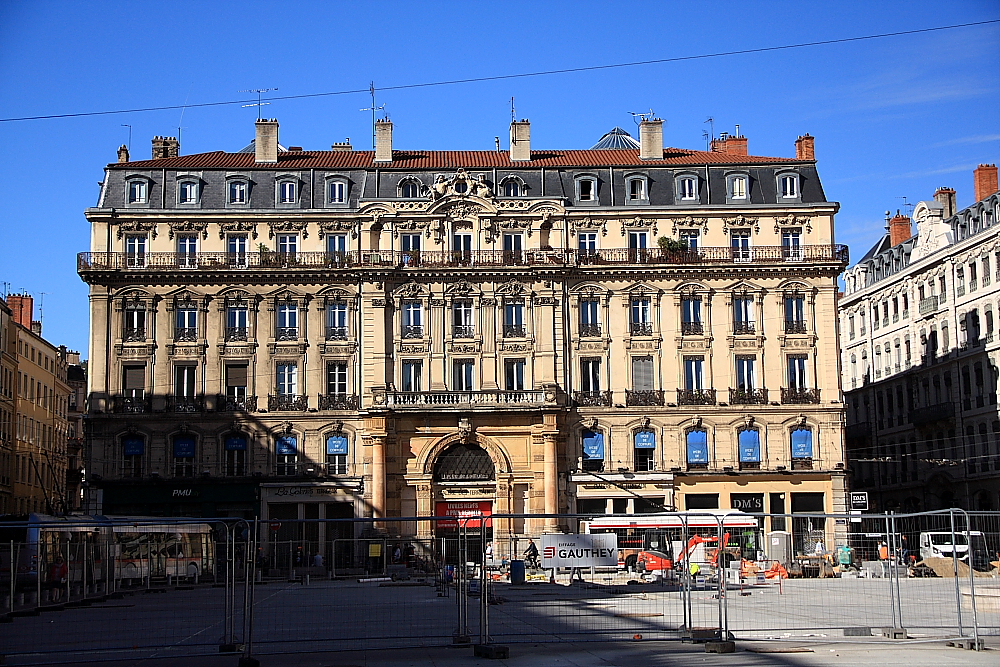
<point x="336" y="444"/>
<point x="134" y="445"/>
<point x="286" y="445"/>
<point x="645" y="440"/>
<point x="802" y="443"/>
<point x="236" y="443"/>
<point x="750" y="446"/>
<point x="593" y="445"/>
<point x="697" y="446"/>
<point x="183" y="447"/>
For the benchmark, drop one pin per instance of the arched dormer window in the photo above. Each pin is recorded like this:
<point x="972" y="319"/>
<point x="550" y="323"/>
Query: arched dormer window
<point x="696" y="448"/>
<point x="408" y="188"/>
<point x="237" y="191"/>
<point x="188" y="191"/>
<point x="513" y="186"/>
<point x="336" y="191"/>
<point x="737" y="187"/>
<point x="686" y="188"/>
<point x="788" y="186"/>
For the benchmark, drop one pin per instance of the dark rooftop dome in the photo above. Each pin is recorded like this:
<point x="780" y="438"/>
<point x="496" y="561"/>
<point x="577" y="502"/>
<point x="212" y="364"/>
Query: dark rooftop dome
<point x="616" y="139"/>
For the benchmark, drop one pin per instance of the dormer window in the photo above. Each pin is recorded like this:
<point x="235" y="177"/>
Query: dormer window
<point x="687" y="188"/>
<point x="336" y="192"/>
<point x="187" y="192"/>
<point x="138" y="192"/>
<point x="586" y="189"/>
<point x="637" y="190"/>
<point x="738" y="187"/>
<point x="511" y="189"/>
<point x="788" y="186"/>
<point x="409" y="188"/>
<point x="238" y="191"/>
<point x="287" y="192"/>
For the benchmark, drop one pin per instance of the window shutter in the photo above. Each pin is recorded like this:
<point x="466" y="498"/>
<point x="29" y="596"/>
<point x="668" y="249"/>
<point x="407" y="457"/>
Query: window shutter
<point x="642" y="373"/>
<point x="135" y="377"/>
<point x="236" y="376"/>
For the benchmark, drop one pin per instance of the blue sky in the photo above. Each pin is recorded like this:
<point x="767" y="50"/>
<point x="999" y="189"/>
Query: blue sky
<point x="896" y="117"/>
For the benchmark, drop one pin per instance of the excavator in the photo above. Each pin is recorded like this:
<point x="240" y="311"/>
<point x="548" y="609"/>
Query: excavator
<point x="658" y="561"/>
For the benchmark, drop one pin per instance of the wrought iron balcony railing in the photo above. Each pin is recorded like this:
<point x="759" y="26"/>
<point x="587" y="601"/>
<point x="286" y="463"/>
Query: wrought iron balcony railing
<point x="441" y="399"/>
<point x="513" y="331"/>
<point x="224" y="403"/>
<point x="744" y="328"/>
<point x="287" y="403"/>
<point x="795" y="326"/>
<point x="237" y="334"/>
<point x="463" y="331"/>
<point x="799" y="395"/>
<point x="185" y="404"/>
<point x="134" y="335"/>
<point x="185" y="334"/>
<point x="130" y="405"/>
<point x="413" y="331"/>
<point x="338" y="402"/>
<point x="224" y="261"/>
<point x="590" y="330"/>
<point x="692" y="328"/>
<point x="748" y="396"/>
<point x="641" y="328"/>
<point x="805" y="463"/>
<point x="286" y="333"/>
<point x="592" y="398"/>
<point x="651" y="397"/>
<point x="336" y="333"/>
<point x="696" y="397"/>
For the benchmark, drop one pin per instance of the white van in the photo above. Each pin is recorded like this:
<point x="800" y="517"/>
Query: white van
<point x="939" y="545"/>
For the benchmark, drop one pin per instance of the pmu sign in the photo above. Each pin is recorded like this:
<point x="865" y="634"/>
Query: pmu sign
<point x="580" y="550"/>
<point x="859" y="501"/>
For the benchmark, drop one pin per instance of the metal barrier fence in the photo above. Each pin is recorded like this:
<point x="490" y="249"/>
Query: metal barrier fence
<point x="168" y="587"/>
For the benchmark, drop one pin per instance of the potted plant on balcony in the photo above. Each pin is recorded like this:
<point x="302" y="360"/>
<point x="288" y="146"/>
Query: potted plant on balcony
<point x="266" y="255"/>
<point x="674" y="251"/>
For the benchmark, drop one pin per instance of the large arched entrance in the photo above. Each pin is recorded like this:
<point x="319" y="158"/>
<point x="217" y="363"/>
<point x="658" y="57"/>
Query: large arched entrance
<point x="464" y="490"/>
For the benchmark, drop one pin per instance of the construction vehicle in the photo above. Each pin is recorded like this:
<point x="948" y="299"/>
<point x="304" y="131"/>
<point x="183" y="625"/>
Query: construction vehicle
<point x="650" y="561"/>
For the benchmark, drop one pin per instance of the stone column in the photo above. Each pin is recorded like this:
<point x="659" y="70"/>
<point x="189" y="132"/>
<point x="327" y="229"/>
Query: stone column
<point x="378" y="476"/>
<point x="551" y="471"/>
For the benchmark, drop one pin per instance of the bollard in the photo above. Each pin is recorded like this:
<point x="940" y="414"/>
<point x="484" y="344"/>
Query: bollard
<point x="305" y="580"/>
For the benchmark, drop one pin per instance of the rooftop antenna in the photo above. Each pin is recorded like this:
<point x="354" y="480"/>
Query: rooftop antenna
<point x="259" y="104"/>
<point x="711" y="125"/>
<point x="374" y="109"/>
<point x="6" y="289"/>
<point x="513" y="115"/>
<point x="906" y="205"/>
<point x="41" y="307"/>
<point x="181" y="121"/>
<point x="639" y="117"/>
<point x="129" y="136"/>
<point x="708" y="140"/>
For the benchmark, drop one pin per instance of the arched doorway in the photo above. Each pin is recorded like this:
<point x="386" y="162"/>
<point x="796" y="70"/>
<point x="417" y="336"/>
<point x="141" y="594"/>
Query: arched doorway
<point x="464" y="483"/>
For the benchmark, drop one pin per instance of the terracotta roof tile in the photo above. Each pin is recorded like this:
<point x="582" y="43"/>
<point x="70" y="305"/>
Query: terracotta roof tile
<point x="405" y="160"/>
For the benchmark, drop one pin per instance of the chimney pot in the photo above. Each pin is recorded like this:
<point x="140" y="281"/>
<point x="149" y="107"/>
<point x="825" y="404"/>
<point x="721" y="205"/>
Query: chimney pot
<point x="383" y="141"/>
<point x="520" y="141"/>
<point x="123" y="153"/>
<point x="805" y="147"/>
<point x="266" y="141"/>
<point x="164" y="147"/>
<point x="985" y="177"/>
<point x="651" y="139"/>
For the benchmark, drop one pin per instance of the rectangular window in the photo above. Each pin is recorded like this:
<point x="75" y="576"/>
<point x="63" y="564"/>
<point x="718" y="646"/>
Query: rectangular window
<point x="797" y="371"/>
<point x="237" y="192"/>
<point x="513" y="319"/>
<point x="413" y="317"/>
<point x="186" y="325"/>
<point x="636" y="189"/>
<point x="791" y="244"/>
<point x="137" y="192"/>
<point x="286" y="455"/>
<point x="188" y="193"/>
<point x="236" y="456"/>
<point x="236" y="382"/>
<point x="590" y="375"/>
<point x="462" y="247"/>
<point x="690" y="239"/>
<point x="513" y="248"/>
<point x="187" y="251"/>
<point x="587" y="242"/>
<point x="462" y="375"/>
<point x="639" y="318"/>
<point x="740" y="242"/>
<point x="286" y="192"/>
<point x="133" y="381"/>
<point x="336" y="455"/>
<point x="745" y="373"/>
<point x="288" y="244"/>
<point x="462" y="323"/>
<point x="237" y="318"/>
<point x="593" y="450"/>
<point x="184" y="381"/>
<point x="688" y="188"/>
<point x="513" y="374"/>
<point x="795" y="314"/>
<point x="236" y="246"/>
<point x="184" y="449"/>
<point x="637" y="240"/>
<point x="288" y="322"/>
<point x="691" y="324"/>
<point x="693" y="378"/>
<point x="287" y="377"/>
<point x="789" y="186"/>
<point x="336" y="378"/>
<point x="738" y="187"/>
<point x="585" y="187"/>
<point x="336" y="244"/>
<point x="336" y="321"/>
<point x="135" y="251"/>
<point x="337" y="192"/>
<point x="590" y="325"/>
<point x="642" y="373"/>
<point x="412" y="372"/>
<point x="743" y="315"/>
<point x="135" y="323"/>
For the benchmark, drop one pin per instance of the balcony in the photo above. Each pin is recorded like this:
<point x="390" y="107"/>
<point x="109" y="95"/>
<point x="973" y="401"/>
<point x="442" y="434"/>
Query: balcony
<point x="463" y="399"/>
<point x="185" y="404"/>
<point x="932" y="414"/>
<point x="286" y="333"/>
<point x="858" y="431"/>
<point x="795" y="326"/>
<point x="590" y="331"/>
<point x="592" y="399"/>
<point x="225" y="403"/>
<point x="134" y="335"/>
<point x="413" y="331"/>
<point x="696" y="397"/>
<point x="513" y="331"/>
<point x="302" y="261"/>
<point x="336" y="333"/>
<point x="692" y="329"/>
<point x="802" y="464"/>
<point x="647" y="397"/>
<point x="744" y="328"/>
<point x="641" y="329"/>
<point x="185" y="334"/>
<point x="799" y="396"/>
<point x="463" y="331"/>
<point x="748" y="396"/>
<point x="338" y="402"/>
<point x="130" y="405"/>
<point x="237" y="334"/>
<point x="287" y="403"/>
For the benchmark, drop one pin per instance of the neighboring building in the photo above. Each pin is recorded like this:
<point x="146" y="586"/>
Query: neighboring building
<point x="400" y="333"/>
<point x="40" y="409"/>
<point x="920" y="359"/>
<point x="8" y="375"/>
<point x="76" y="407"/>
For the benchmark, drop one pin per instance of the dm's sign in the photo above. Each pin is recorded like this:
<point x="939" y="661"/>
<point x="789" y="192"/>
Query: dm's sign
<point x="580" y="550"/>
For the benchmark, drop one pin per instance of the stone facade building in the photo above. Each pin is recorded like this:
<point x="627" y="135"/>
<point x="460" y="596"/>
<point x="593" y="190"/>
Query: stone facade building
<point x="8" y="376"/>
<point x="400" y="333"/>
<point x="920" y="358"/>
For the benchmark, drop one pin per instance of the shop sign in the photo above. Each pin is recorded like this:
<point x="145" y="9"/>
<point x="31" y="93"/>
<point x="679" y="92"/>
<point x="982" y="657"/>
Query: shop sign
<point x="859" y="500"/>
<point x="184" y="493"/>
<point x="466" y="513"/>
<point x="747" y="502"/>
<point x="297" y="491"/>
<point x="597" y="550"/>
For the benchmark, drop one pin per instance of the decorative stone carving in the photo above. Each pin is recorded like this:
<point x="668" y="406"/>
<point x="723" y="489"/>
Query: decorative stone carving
<point x="410" y="290"/>
<point x="439" y="303"/>
<point x="488" y="301"/>
<point x="335" y="226"/>
<point x="136" y="227"/>
<point x="237" y="227"/>
<point x="410" y="226"/>
<point x="588" y="224"/>
<point x="288" y="226"/>
<point x="639" y="223"/>
<point x="545" y="301"/>
<point x="793" y="220"/>
<point x="411" y="349"/>
<point x="465" y="349"/>
<point x="378" y="303"/>
<point x="463" y="211"/>
<point x="688" y="221"/>
<point x="186" y="226"/>
<point x="461" y="184"/>
<point x="741" y="221"/>
<point x="511" y="288"/>
<point x="461" y="288"/>
<point x="515" y="347"/>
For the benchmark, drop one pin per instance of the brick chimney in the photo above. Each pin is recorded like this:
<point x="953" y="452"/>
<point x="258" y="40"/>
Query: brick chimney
<point x="22" y="306"/>
<point x="123" y="153"/>
<point x="383" y="141"/>
<point x="805" y="147"/>
<point x="520" y="141"/>
<point x="265" y="143"/>
<point x="164" y="147"/>
<point x="946" y="197"/>
<point x="730" y="145"/>
<point x="985" y="177"/>
<point x="899" y="229"/>
<point x="651" y="139"/>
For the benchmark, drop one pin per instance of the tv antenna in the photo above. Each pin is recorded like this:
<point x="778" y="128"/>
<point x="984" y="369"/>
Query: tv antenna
<point x="708" y="140"/>
<point x="41" y="307"/>
<point x="711" y="125"/>
<point x="907" y="206"/>
<point x="639" y="117"/>
<point x="374" y="109"/>
<point x="513" y="114"/>
<point x="259" y="104"/>
<point x="129" y="136"/>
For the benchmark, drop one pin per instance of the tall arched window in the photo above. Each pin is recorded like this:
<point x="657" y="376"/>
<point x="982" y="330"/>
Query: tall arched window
<point x="133" y="452"/>
<point x="644" y="442"/>
<point x="697" y="449"/>
<point x="286" y="450"/>
<point x="184" y="446"/>
<point x="336" y="454"/>
<point x="749" y="439"/>
<point x="236" y="455"/>
<point x="593" y="449"/>
<point x="802" y="448"/>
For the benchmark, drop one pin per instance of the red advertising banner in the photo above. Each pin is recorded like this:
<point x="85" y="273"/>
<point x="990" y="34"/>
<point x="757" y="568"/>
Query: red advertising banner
<point x="470" y="510"/>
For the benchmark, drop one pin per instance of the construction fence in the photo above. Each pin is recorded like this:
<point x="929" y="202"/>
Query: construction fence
<point x="90" y="587"/>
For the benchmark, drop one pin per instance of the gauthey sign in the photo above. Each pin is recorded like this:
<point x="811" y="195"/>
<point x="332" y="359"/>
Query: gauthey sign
<point x="580" y="550"/>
